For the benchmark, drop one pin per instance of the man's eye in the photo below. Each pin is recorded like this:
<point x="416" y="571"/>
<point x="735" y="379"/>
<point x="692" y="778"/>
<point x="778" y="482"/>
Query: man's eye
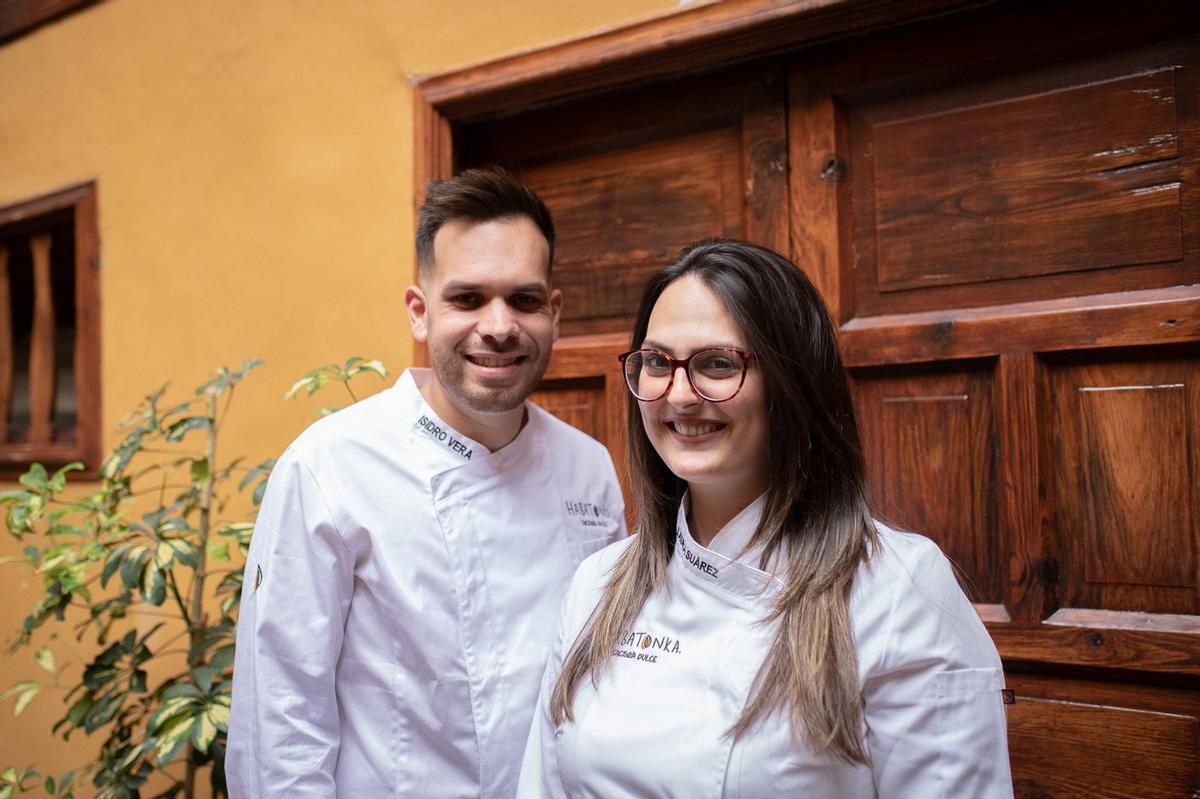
<point x="466" y="299"/>
<point x="526" y="302"/>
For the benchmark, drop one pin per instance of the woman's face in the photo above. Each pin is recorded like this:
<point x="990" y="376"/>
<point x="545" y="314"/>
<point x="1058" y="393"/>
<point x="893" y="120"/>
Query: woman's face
<point x="718" y="447"/>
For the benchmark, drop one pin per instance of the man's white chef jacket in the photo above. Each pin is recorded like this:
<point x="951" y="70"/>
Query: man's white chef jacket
<point x="402" y="591"/>
<point x="933" y="715"/>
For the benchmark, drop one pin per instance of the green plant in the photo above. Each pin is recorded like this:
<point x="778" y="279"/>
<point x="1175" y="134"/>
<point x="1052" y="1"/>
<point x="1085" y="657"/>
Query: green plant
<point x="145" y="561"/>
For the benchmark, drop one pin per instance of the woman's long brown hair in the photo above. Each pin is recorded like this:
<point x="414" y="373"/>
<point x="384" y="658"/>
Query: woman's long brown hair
<point x="816" y="526"/>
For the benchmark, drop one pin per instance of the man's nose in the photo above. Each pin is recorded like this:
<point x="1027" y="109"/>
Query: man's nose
<point x="497" y="321"/>
<point x="682" y="394"/>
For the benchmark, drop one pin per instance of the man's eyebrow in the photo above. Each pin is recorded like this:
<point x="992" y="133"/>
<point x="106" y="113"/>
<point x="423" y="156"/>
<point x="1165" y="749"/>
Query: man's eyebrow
<point x="524" y="288"/>
<point x="459" y="285"/>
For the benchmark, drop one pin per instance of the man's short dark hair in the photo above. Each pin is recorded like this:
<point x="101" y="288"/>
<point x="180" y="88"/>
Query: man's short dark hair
<point x="477" y="195"/>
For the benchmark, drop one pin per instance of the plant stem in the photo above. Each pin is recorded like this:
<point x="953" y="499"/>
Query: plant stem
<point x="197" y="615"/>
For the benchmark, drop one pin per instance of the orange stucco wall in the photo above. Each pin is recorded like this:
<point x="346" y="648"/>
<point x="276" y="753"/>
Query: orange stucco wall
<point x="254" y="167"/>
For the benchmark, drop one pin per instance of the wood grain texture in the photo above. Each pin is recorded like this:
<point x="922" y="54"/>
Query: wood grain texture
<point x="578" y="402"/>
<point x="1153" y="316"/>
<point x="42" y="369"/>
<point x="765" y="162"/>
<point x="6" y="346"/>
<point x="1072" y="749"/>
<point x="814" y="180"/>
<point x="1051" y="182"/>
<point x="1150" y="650"/>
<point x="1028" y="591"/>
<point x="1007" y="181"/>
<point x="609" y="213"/>
<point x="930" y="442"/>
<point x="1123" y="433"/>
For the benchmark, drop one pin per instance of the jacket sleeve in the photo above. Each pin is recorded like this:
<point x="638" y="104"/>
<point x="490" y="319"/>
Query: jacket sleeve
<point x="284" y="731"/>
<point x="934" y="713"/>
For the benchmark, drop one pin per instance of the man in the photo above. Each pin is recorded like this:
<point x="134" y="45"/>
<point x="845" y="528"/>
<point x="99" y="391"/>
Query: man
<point x="403" y="583"/>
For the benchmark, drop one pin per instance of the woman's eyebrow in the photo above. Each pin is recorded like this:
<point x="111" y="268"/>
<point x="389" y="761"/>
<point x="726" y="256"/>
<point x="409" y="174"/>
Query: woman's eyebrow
<point x="657" y="345"/>
<point x="716" y="345"/>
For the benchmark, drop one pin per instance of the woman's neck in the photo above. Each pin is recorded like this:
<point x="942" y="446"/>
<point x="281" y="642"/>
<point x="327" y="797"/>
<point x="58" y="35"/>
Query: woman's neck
<point x="710" y="509"/>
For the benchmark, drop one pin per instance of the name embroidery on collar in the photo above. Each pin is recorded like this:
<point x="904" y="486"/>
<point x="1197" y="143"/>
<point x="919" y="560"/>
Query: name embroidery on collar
<point x="695" y="561"/>
<point x="443" y="436"/>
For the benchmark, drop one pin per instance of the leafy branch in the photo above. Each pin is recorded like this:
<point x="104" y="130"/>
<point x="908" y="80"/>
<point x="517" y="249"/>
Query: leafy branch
<point x="110" y="566"/>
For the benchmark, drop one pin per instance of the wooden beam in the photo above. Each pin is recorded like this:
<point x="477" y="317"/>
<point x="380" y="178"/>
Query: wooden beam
<point x="695" y="39"/>
<point x="1120" y="319"/>
<point x="41" y="344"/>
<point x="817" y="171"/>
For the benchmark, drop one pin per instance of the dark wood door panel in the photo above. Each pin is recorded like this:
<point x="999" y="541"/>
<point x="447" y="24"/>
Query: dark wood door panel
<point x="959" y="193"/>
<point x="929" y="436"/>
<point x="1069" y="749"/>
<point x="1121" y="448"/>
<point x="1076" y="737"/>
<point x="998" y="186"/>
<point x="611" y="212"/>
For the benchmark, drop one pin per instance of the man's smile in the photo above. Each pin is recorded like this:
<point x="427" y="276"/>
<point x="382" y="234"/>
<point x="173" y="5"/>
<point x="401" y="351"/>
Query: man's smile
<point x="495" y="361"/>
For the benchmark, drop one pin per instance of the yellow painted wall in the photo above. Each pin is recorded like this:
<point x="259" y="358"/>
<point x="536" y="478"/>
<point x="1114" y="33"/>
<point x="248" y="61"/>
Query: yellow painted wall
<point x="254" y="166"/>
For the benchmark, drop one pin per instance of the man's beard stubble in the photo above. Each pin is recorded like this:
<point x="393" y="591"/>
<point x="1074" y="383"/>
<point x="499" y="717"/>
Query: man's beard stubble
<point x="449" y="368"/>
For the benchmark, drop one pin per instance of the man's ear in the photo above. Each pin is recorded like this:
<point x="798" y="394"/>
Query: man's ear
<point x="556" y="303"/>
<point x="418" y="313"/>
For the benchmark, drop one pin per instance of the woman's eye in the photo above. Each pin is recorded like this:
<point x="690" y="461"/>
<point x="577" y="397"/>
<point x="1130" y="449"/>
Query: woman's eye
<point x="718" y="365"/>
<point x="656" y="363"/>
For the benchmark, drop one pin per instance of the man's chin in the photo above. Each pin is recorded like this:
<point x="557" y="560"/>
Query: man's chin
<point x="493" y="400"/>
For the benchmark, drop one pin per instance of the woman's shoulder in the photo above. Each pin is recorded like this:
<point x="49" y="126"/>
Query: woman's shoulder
<point x="901" y="558"/>
<point x="591" y="576"/>
<point x="906" y="598"/>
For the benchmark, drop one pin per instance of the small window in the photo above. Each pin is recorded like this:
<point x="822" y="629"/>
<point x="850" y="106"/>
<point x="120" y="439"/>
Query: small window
<point x="49" y="331"/>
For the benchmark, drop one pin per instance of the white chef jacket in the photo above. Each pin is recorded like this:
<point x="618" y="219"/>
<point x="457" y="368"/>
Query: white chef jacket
<point x="933" y="715"/>
<point x="402" y="591"/>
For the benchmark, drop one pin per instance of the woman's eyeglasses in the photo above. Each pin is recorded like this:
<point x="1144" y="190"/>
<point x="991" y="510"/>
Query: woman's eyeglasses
<point x="715" y="374"/>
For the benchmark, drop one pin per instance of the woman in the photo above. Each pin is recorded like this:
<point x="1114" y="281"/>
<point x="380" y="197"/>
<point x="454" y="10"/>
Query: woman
<point x="761" y="636"/>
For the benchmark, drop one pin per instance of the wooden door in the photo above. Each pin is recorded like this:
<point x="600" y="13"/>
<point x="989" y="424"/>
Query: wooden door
<point x="1001" y="206"/>
<point x="630" y="179"/>
<point x="1008" y="225"/>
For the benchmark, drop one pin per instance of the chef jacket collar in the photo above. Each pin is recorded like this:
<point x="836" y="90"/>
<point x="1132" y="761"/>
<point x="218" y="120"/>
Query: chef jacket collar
<point x="725" y="563"/>
<point x="457" y="451"/>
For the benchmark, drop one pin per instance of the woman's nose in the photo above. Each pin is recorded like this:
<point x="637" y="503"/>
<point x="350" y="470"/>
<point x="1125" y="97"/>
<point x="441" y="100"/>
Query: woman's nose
<point x="681" y="393"/>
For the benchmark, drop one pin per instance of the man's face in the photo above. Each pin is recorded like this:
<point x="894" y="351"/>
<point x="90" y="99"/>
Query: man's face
<point x="487" y="314"/>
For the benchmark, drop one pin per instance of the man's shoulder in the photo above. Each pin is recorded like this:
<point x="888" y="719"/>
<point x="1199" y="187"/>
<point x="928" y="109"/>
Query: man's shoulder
<point x="563" y="433"/>
<point x="366" y="420"/>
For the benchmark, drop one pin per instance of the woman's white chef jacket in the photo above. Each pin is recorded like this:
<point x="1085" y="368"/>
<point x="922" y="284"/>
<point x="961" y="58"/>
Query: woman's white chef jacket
<point x="934" y="721"/>
<point x="402" y="591"/>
